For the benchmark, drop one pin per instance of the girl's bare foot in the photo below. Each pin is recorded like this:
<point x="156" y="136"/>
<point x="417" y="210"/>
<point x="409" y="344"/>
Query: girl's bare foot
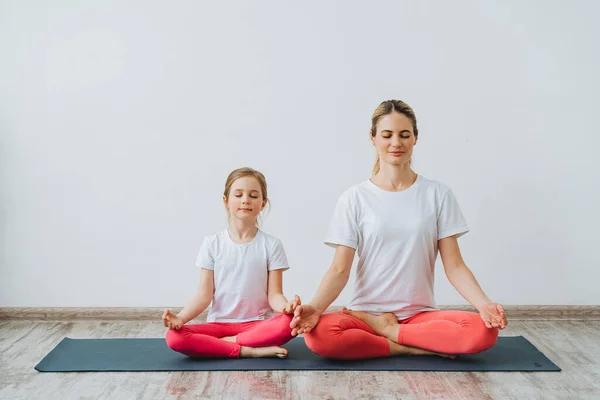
<point x="260" y="352"/>
<point x="232" y="339"/>
<point x="385" y="325"/>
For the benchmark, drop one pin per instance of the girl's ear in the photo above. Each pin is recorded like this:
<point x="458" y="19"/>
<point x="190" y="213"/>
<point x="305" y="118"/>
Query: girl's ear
<point x="225" y="200"/>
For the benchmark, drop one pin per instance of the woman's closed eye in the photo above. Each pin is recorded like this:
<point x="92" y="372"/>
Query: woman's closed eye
<point x="401" y="137"/>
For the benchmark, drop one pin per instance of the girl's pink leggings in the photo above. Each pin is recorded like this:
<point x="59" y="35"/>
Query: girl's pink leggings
<point x="204" y="340"/>
<point x="342" y="336"/>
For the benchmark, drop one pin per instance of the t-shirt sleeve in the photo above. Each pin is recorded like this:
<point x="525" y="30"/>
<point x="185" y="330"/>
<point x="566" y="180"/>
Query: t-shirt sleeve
<point x="205" y="257"/>
<point x="277" y="258"/>
<point x="450" y="219"/>
<point x="343" y="228"/>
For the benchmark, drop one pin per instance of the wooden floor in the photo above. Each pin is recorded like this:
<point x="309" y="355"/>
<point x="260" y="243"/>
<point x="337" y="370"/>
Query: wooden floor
<point x="573" y="345"/>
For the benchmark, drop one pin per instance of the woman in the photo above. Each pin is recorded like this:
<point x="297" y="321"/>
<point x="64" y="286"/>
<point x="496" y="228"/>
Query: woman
<point x="396" y="221"/>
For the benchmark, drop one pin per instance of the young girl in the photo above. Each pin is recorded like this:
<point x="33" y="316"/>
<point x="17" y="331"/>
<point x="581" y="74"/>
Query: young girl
<point x="241" y="272"/>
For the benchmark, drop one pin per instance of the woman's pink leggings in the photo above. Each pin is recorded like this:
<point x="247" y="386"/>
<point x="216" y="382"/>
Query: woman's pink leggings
<point x="342" y="336"/>
<point x="204" y="340"/>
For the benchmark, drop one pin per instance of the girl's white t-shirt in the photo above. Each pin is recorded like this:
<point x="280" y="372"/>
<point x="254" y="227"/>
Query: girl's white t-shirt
<point x="396" y="237"/>
<point x="241" y="275"/>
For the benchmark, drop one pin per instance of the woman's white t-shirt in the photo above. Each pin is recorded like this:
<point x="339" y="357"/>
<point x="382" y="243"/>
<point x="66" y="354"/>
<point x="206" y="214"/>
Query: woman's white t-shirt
<point x="241" y="275"/>
<point x="396" y="237"/>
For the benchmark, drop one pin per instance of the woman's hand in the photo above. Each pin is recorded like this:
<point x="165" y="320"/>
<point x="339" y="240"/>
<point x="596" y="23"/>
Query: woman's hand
<point x="171" y="320"/>
<point x="493" y="315"/>
<point x="305" y="319"/>
<point x="291" y="307"/>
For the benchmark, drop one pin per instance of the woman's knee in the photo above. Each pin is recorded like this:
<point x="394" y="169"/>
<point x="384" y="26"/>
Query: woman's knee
<point x="320" y="344"/>
<point x="322" y="340"/>
<point x="481" y="338"/>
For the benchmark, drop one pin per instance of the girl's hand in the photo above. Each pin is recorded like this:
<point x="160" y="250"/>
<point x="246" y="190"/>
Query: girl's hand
<point x="493" y="315"/>
<point x="291" y="307"/>
<point x="171" y="320"/>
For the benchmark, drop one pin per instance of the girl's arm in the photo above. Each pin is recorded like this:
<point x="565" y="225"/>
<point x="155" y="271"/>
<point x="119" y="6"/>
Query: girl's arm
<point x="277" y="300"/>
<point x="201" y="299"/>
<point x="461" y="277"/>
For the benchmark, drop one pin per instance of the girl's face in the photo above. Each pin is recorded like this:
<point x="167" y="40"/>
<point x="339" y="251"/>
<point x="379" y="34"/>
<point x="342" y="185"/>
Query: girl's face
<point x="245" y="200"/>
<point x="395" y="139"/>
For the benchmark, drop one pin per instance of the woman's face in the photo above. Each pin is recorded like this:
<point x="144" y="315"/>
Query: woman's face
<point x="395" y="139"/>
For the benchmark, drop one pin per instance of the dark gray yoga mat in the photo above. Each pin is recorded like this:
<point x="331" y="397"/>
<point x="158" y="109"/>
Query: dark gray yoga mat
<point x="78" y="355"/>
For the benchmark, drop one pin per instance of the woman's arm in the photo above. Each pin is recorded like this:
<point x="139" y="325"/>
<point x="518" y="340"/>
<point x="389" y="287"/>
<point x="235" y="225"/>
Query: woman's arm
<point x="201" y="299"/>
<point x="461" y="277"/>
<point x="307" y="316"/>
<point x="335" y="279"/>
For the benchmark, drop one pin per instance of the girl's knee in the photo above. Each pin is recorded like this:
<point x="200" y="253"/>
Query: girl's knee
<point x="284" y="319"/>
<point x="283" y="326"/>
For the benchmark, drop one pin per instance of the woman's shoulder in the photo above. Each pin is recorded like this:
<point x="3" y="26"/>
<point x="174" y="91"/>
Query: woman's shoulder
<point x="353" y="191"/>
<point x="433" y="185"/>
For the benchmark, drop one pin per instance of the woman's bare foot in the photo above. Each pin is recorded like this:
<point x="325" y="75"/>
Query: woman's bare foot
<point x="385" y="325"/>
<point x="232" y="339"/>
<point x="401" y="350"/>
<point x="260" y="352"/>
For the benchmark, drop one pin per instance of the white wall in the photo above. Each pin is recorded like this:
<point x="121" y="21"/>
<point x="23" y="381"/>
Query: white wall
<point x="119" y="123"/>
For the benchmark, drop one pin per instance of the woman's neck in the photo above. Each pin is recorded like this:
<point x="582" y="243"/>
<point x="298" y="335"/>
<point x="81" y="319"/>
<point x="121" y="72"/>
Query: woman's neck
<point x="394" y="178"/>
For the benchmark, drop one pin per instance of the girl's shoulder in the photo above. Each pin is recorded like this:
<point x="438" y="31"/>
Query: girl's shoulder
<point x="267" y="237"/>
<point x="216" y="238"/>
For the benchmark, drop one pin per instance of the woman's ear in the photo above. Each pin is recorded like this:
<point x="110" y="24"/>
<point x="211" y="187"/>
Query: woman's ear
<point x="371" y="137"/>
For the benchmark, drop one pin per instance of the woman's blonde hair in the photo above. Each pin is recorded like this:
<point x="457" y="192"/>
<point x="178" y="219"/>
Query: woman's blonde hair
<point x="385" y="108"/>
<point x="242" y="173"/>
